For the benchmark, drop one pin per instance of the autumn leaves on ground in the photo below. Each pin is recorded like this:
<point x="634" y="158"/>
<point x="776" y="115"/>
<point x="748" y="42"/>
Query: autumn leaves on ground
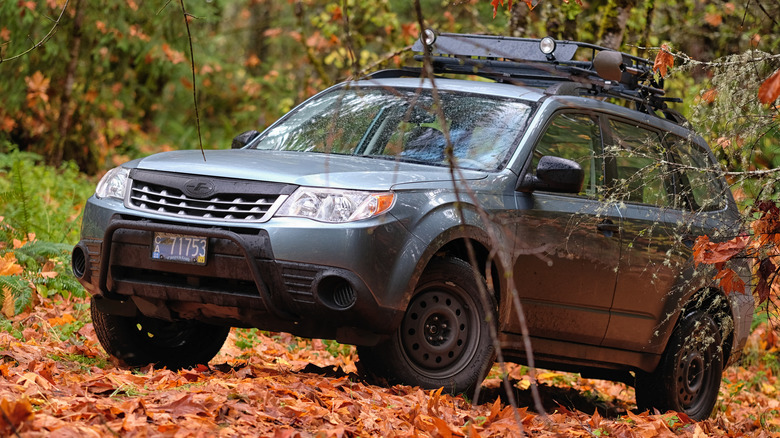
<point x="57" y="381"/>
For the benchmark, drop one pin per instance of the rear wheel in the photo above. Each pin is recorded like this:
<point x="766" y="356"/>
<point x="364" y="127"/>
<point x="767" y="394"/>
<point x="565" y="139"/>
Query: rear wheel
<point x="142" y="340"/>
<point x="444" y="339"/>
<point x="688" y="377"/>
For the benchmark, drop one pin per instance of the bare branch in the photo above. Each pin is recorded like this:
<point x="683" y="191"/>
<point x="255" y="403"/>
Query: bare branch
<point x="194" y="85"/>
<point x="43" y="40"/>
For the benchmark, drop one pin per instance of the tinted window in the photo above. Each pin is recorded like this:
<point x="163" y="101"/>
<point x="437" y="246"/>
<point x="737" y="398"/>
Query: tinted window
<point x="639" y="158"/>
<point x="575" y="137"/>
<point x="699" y="187"/>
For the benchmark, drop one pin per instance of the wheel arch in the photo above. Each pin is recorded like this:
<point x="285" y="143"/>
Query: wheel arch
<point x="714" y="302"/>
<point x="454" y="242"/>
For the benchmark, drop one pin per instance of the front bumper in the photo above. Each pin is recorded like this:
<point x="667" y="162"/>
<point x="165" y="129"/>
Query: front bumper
<point x="242" y="283"/>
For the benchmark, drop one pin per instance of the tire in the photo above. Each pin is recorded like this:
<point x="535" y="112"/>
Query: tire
<point x="444" y="338"/>
<point x="688" y="377"/>
<point x="141" y="340"/>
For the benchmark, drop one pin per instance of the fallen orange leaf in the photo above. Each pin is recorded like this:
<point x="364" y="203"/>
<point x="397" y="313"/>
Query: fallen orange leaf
<point x="8" y="265"/>
<point x="15" y="412"/>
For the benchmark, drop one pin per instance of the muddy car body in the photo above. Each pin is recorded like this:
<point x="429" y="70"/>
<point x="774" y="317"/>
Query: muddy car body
<point x="413" y="216"/>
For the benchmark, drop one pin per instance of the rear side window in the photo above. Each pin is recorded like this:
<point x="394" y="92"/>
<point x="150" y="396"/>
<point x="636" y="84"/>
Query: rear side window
<point x="641" y="173"/>
<point x="699" y="185"/>
<point x="576" y="137"/>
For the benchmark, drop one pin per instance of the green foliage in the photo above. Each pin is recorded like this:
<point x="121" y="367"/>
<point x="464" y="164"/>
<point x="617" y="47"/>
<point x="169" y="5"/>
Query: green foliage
<point x="744" y="134"/>
<point x="39" y="199"/>
<point x="84" y="363"/>
<point x="246" y="339"/>
<point x="40" y="209"/>
<point x="337" y="350"/>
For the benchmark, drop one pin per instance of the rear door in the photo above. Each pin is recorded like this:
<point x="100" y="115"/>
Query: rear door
<point x="663" y="202"/>
<point x="566" y="247"/>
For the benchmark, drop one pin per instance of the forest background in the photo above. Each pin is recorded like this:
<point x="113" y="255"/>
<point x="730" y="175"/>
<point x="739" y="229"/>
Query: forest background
<point x="85" y="87"/>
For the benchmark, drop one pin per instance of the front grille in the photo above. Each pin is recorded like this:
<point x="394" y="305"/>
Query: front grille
<point x="229" y="200"/>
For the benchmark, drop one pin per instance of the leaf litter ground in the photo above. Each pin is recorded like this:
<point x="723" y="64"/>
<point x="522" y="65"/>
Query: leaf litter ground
<point x="58" y="382"/>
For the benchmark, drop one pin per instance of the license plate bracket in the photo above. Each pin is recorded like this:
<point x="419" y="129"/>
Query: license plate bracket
<point x="180" y="248"/>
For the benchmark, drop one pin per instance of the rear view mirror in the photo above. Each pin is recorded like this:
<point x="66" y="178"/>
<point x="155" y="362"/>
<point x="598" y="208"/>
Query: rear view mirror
<point x="554" y="174"/>
<point x="243" y="139"/>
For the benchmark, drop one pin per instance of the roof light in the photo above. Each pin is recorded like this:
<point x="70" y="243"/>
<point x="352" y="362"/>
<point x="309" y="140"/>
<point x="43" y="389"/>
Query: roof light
<point x="428" y="37"/>
<point x="547" y="45"/>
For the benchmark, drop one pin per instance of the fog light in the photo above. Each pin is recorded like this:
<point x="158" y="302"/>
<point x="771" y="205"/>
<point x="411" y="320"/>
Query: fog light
<point x="547" y="45"/>
<point x="428" y="37"/>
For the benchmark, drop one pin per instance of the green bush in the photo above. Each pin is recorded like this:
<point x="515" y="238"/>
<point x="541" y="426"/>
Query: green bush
<point x="40" y="210"/>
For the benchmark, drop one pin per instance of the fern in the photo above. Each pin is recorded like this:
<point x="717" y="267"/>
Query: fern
<point x="47" y="202"/>
<point x="38" y="252"/>
<point x="20" y="290"/>
<point x="22" y="195"/>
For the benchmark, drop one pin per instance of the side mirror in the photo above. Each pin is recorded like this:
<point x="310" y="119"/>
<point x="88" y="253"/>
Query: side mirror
<point x="554" y="174"/>
<point x="243" y="139"/>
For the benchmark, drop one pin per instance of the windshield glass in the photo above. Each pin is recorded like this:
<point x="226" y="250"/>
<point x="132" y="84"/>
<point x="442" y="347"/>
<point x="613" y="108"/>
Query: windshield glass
<point x="403" y="125"/>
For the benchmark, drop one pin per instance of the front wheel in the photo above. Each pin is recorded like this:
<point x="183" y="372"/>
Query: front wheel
<point x="688" y="377"/>
<point x="142" y="340"/>
<point x="444" y="339"/>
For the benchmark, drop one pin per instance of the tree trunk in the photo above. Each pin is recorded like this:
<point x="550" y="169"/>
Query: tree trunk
<point x="613" y="24"/>
<point x="259" y="23"/>
<point x="518" y="22"/>
<point x="66" y="112"/>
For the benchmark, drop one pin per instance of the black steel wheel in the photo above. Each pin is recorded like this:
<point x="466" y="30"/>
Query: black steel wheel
<point x="141" y="340"/>
<point x="444" y="338"/>
<point x="688" y="378"/>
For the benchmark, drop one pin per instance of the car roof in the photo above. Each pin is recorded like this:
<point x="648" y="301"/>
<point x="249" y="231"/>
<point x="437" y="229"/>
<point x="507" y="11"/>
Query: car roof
<point x="512" y="91"/>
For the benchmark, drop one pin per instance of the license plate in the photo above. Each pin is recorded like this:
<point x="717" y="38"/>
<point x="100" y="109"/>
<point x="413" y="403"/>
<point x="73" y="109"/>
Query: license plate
<point x="180" y="248"/>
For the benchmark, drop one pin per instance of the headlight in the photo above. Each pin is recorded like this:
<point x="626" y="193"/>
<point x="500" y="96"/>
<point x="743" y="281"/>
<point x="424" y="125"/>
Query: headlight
<point x="331" y="205"/>
<point x="112" y="185"/>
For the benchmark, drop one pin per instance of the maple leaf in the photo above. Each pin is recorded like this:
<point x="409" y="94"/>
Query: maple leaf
<point x="730" y="281"/>
<point x="7" y="124"/>
<point x="15" y="412"/>
<point x="711" y="253"/>
<point x="409" y="30"/>
<point x="496" y="4"/>
<point x="766" y="272"/>
<point x="8" y="265"/>
<point x="37" y="86"/>
<point x="713" y="19"/>
<point x="31" y="378"/>
<point x="769" y="90"/>
<point x="663" y="61"/>
<point x="173" y="55"/>
<point x="62" y="320"/>
<point x="709" y="95"/>
<point x="337" y="14"/>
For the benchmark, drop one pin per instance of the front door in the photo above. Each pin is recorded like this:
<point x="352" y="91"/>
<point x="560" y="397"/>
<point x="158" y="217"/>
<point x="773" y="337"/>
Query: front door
<point x="567" y="245"/>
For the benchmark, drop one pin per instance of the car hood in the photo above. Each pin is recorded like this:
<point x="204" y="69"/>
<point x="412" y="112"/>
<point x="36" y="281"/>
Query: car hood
<point x="300" y="168"/>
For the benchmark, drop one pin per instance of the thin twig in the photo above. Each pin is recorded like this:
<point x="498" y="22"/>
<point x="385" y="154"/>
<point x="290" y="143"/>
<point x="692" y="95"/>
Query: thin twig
<point x="194" y="85"/>
<point x="44" y="39"/>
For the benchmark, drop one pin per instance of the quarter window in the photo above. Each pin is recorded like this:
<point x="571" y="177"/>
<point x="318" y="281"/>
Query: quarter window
<point x="699" y="187"/>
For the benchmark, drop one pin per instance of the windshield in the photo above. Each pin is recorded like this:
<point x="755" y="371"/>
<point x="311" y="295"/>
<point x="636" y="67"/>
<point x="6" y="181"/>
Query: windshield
<point x="403" y="125"/>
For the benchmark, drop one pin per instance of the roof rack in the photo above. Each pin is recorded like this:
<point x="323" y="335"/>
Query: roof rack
<point x="546" y="63"/>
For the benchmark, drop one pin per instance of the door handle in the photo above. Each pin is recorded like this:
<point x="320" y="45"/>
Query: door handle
<point x="608" y="227"/>
<point x="689" y="240"/>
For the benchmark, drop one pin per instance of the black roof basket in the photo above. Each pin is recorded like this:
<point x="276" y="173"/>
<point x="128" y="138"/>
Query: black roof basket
<point x="604" y="72"/>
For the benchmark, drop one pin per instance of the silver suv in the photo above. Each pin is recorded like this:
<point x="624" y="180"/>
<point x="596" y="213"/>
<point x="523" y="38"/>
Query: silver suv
<point x="429" y="218"/>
